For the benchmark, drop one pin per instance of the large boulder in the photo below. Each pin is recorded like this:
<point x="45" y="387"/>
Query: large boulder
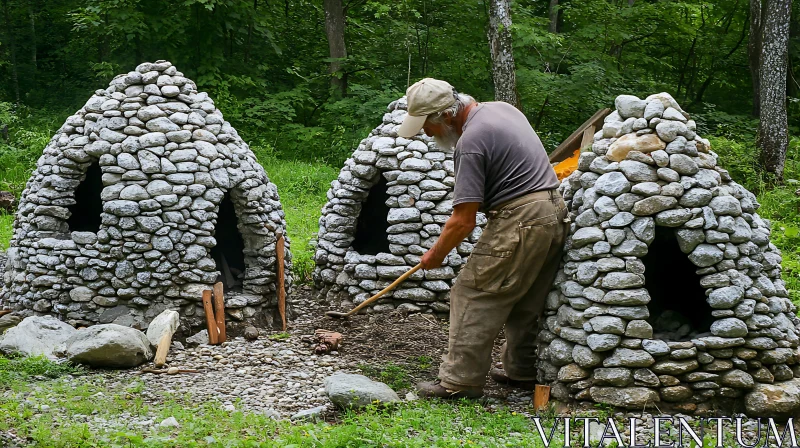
<point x="778" y="400"/>
<point x="109" y="345"/>
<point x="37" y="335"/>
<point x="355" y="391"/>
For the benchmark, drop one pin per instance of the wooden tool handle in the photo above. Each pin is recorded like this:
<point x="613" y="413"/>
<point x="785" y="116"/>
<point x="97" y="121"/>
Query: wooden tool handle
<point x="386" y="289"/>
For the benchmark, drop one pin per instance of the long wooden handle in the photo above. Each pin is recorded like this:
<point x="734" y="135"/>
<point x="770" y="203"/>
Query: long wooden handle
<point x="163" y="349"/>
<point x="211" y="324"/>
<point x="280" y="246"/>
<point x="385" y="290"/>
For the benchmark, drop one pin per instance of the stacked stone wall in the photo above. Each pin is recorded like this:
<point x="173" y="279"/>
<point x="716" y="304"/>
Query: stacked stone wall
<point x="168" y="158"/>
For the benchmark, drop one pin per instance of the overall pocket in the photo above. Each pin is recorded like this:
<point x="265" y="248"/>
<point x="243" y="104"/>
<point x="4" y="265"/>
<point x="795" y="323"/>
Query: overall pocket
<point x="490" y="264"/>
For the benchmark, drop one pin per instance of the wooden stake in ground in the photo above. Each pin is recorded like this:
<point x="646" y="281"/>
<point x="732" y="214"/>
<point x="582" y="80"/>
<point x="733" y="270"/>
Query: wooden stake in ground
<point x="213" y="334"/>
<point x="163" y="349"/>
<point x="541" y="396"/>
<point x="279" y="249"/>
<point x="219" y="311"/>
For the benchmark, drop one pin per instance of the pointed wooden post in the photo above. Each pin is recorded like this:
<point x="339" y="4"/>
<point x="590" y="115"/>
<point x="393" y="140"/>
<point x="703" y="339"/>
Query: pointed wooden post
<point x="279" y="249"/>
<point x="219" y="311"/>
<point x="213" y="334"/>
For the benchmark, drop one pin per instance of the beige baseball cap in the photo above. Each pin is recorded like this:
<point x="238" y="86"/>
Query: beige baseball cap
<point x="425" y="97"/>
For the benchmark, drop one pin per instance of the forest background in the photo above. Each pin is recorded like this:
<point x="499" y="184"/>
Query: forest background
<point x="303" y="81"/>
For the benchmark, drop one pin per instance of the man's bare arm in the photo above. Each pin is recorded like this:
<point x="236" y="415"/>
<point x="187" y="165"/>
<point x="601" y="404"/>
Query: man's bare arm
<point x="455" y="230"/>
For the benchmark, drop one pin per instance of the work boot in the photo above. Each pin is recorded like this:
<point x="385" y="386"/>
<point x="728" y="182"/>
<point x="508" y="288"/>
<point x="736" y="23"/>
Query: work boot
<point x="499" y="375"/>
<point x="435" y="389"/>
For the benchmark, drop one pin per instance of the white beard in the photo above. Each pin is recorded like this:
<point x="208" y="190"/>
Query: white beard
<point x="447" y="141"/>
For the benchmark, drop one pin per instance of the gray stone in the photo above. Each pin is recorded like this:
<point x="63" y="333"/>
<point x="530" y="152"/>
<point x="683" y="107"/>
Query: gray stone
<point x="603" y="342"/>
<point x="109" y="345"/>
<point x="630" y="106"/>
<point x="607" y="324"/>
<point x="737" y="378"/>
<point x="683" y="164"/>
<point x="624" y="357"/>
<point x="729" y="327"/>
<point x="656" y="347"/>
<point x="726" y="298"/>
<point x="726" y="205"/>
<point x="35" y="336"/>
<point x="671" y="367"/>
<point x="347" y="390"/>
<point x="653" y="205"/>
<point x="780" y="400"/>
<point x="638" y="171"/>
<point x="705" y="255"/>
<point x="612" y="184"/>
<point x="604" y="376"/>
<point x="624" y="397"/>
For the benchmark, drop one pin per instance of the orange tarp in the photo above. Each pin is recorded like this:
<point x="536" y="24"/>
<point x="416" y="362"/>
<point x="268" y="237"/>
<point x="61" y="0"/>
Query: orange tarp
<point x="567" y="166"/>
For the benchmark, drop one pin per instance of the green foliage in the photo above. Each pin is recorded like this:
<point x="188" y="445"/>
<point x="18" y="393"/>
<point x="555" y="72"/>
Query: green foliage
<point x="779" y="203"/>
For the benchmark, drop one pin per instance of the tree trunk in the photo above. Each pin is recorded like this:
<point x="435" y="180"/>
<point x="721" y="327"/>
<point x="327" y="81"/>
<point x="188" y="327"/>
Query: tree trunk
<point x="12" y="50"/>
<point x="503" y="74"/>
<point x="553" y="13"/>
<point x="754" y="50"/>
<point x="334" y="30"/>
<point x="773" y="136"/>
<point x="32" y="18"/>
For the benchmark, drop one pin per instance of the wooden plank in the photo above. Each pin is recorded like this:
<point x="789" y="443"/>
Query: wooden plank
<point x="163" y="349"/>
<point x="279" y="248"/>
<point x="541" y="396"/>
<point x="588" y="137"/>
<point x="4" y="312"/>
<point x="219" y="311"/>
<point x="211" y="324"/>
<point x="568" y="146"/>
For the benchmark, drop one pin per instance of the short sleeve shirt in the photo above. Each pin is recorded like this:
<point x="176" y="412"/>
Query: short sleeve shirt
<point x="499" y="157"/>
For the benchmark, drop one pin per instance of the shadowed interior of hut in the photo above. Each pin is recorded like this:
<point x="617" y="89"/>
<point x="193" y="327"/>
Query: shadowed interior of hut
<point x="678" y="307"/>
<point x="371" y="229"/>
<point x="228" y="254"/>
<point x="85" y="212"/>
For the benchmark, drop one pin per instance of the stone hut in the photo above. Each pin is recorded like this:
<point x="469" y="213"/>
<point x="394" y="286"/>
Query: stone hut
<point x="386" y="208"/>
<point x="145" y="197"/>
<point x="670" y="290"/>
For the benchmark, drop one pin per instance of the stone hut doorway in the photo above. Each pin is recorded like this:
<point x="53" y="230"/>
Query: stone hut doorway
<point x="228" y="254"/>
<point x="85" y="212"/>
<point x="678" y="308"/>
<point x="372" y="224"/>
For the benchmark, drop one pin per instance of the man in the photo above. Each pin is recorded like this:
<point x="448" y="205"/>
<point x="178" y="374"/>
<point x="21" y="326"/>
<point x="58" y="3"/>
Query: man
<point x="501" y="168"/>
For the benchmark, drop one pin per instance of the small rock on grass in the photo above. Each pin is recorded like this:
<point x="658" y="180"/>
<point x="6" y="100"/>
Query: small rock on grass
<point x="309" y="414"/>
<point x="348" y="390"/>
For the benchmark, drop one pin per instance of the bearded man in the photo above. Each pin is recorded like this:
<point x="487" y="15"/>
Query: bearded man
<point x="501" y="169"/>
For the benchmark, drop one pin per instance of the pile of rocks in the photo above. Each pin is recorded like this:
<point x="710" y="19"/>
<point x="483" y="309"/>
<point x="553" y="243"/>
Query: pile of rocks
<point x="419" y="190"/>
<point x="648" y="168"/>
<point x="168" y="160"/>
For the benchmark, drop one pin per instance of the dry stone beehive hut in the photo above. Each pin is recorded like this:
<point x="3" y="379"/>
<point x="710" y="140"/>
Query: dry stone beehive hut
<point x="145" y="197"/>
<point x="386" y="208"/>
<point x="670" y="290"/>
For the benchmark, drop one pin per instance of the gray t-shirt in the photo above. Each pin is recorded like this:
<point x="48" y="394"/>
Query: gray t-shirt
<point x="499" y="157"/>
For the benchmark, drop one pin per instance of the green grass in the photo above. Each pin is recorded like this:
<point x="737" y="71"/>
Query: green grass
<point x="302" y="187"/>
<point x="73" y="403"/>
<point x="279" y="336"/>
<point x="15" y="368"/>
<point x="394" y="375"/>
